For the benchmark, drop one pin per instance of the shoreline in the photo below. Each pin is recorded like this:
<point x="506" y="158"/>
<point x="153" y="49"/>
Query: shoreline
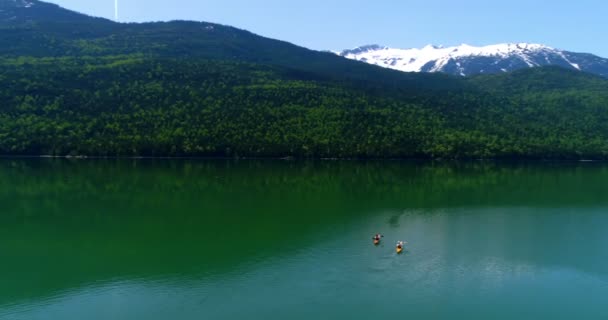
<point x="290" y="158"/>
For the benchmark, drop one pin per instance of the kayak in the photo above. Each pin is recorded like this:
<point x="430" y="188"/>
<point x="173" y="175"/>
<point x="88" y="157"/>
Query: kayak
<point x="399" y="250"/>
<point x="376" y="242"/>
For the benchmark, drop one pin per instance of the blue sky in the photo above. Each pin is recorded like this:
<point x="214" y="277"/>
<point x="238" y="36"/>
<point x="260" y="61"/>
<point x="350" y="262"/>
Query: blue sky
<point x="338" y="24"/>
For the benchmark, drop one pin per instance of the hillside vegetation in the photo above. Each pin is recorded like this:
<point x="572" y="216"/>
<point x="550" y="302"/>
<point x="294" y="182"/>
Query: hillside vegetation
<point x="72" y="84"/>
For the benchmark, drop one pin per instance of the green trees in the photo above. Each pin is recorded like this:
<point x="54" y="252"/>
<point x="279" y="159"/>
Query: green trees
<point x="132" y="105"/>
<point x="76" y="85"/>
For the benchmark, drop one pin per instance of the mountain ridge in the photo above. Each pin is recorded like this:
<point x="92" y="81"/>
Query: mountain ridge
<point x="48" y="30"/>
<point x="464" y="60"/>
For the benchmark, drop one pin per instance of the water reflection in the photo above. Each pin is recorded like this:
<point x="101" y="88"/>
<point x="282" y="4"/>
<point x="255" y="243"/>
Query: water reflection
<point x="152" y="239"/>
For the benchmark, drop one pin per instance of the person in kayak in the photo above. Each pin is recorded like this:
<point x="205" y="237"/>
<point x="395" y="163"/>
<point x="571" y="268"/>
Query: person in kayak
<point x="400" y="245"/>
<point x="377" y="238"/>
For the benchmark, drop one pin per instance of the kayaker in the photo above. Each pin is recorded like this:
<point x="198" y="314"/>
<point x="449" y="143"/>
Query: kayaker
<point x="399" y="248"/>
<point x="376" y="239"/>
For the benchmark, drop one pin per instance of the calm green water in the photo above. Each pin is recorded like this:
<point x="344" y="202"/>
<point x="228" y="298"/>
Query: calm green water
<point x="288" y="240"/>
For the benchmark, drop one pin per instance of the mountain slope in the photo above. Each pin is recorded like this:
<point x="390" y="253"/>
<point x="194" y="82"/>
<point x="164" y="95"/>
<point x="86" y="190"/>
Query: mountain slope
<point x="540" y="80"/>
<point x="468" y="60"/>
<point x="72" y="84"/>
<point x="39" y="29"/>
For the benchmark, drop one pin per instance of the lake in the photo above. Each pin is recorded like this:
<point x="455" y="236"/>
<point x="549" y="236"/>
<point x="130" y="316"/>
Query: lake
<point x="225" y="239"/>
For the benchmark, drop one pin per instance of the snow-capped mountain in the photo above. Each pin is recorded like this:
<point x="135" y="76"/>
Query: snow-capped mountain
<point x="469" y="60"/>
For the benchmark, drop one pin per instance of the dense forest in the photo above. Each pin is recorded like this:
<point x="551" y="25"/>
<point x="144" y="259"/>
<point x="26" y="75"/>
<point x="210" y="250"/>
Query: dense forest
<point x="75" y="85"/>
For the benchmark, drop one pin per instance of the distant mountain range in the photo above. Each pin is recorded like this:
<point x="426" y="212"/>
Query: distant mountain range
<point x="467" y="60"/>
<point x="71" y="84"/>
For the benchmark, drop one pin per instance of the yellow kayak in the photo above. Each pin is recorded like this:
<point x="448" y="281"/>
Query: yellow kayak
<point x="399" y="250"/>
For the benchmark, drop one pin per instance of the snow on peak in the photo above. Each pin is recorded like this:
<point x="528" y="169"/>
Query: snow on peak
<point x="18" y="3"/>
<point x="436" y="57"/>
<point x="363" y="49"/>
<point x="432" y="46"/>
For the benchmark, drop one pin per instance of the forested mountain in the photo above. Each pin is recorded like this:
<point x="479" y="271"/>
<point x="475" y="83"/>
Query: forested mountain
<point x="38" y="29"/>
<point x="73" y="84"/>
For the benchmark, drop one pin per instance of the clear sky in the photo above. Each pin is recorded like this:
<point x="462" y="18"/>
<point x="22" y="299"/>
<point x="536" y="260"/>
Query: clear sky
<point x="580" y="26"/>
